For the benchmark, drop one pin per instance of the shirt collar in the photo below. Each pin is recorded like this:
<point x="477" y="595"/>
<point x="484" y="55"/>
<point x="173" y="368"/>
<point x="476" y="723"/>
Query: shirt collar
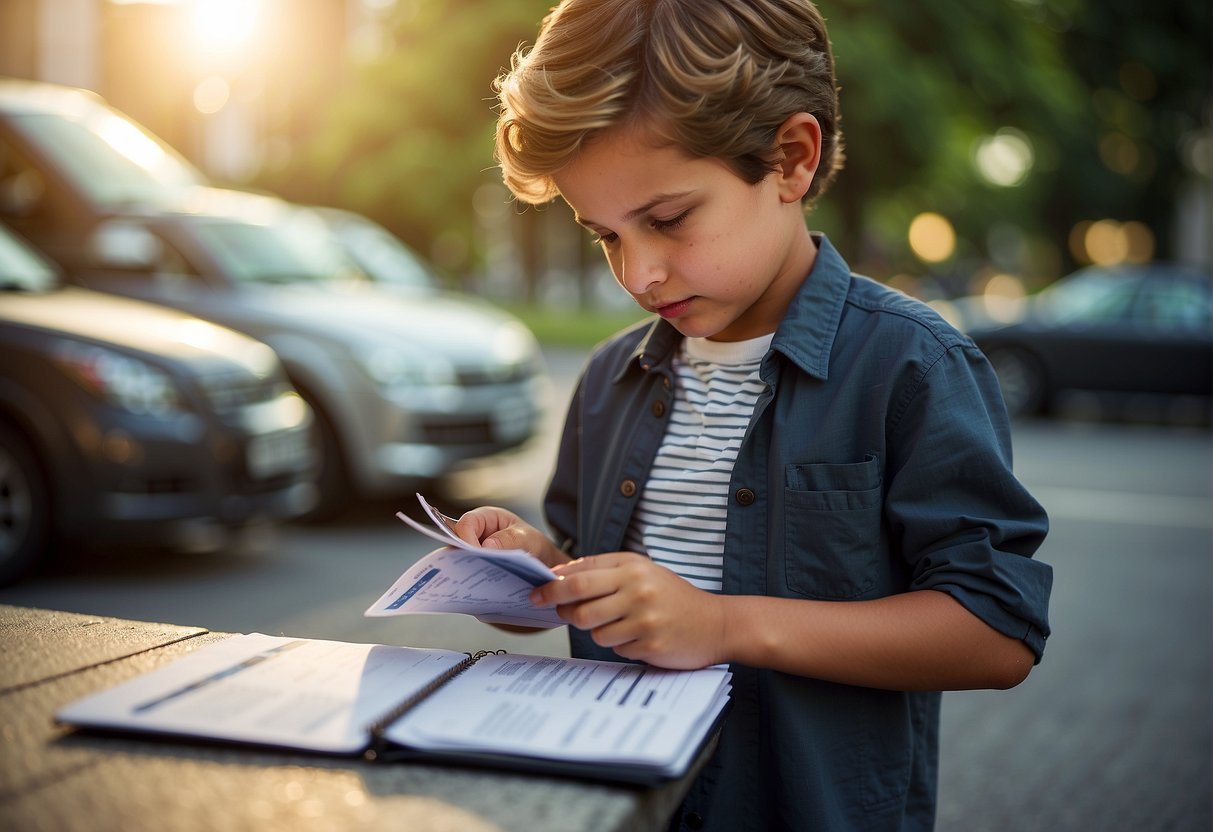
<point x="806" y="333"/>
<point x="656" y="348"/>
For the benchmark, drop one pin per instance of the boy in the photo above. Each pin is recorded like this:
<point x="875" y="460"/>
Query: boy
<point x="792" y="469"/>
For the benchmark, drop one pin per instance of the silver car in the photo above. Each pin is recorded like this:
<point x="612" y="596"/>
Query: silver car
<point x="408" y="383"/>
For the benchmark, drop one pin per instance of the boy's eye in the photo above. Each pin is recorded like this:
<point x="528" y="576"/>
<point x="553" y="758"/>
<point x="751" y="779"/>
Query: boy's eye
<point x="670" y="224"/>
<point x="610" y="238"/>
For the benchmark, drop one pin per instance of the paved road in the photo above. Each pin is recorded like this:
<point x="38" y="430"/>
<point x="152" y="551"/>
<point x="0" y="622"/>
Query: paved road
<point x="1114" y="731"/>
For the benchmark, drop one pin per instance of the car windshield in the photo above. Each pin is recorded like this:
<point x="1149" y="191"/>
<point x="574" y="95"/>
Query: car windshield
<point x="110" y="158"/>
<point x="383" y="256"/>
<point x="294" y="250"/>
<point x="1088" y="298"/>
<point x="21" y="269"/>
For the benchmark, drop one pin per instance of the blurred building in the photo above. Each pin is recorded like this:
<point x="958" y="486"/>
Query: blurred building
<point x="227" y="82"/>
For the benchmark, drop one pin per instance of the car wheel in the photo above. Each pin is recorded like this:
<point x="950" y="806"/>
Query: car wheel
<point x="25" y="513"/>
<point x="1022" y="380"/>
<point x="332" y="482"/>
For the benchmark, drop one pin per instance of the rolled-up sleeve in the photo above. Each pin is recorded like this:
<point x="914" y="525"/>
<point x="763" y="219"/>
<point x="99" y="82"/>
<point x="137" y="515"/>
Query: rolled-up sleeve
<point x="962" y="520"/>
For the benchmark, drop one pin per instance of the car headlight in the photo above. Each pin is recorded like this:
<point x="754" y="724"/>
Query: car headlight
<point x="514" y="344"/>
<point x="121" y="380"/>
<point x="396" y="368"/>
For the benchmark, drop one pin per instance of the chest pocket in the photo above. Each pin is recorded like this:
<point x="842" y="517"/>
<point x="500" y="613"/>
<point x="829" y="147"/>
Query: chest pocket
<point x="832" y="528"/>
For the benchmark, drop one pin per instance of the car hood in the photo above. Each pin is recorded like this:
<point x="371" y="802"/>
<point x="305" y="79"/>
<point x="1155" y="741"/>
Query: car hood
<point x="141" y="327"/>
<point x="463" y="330"/>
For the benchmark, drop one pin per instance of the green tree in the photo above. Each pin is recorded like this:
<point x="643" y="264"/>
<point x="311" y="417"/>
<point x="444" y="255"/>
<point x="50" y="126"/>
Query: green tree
<point x="1103" y="94"/>
<point x="921" y="85"/>
<point x="1109" y="94"/>
<point x="1149" y="81"/>
<point x="408" y="140"/>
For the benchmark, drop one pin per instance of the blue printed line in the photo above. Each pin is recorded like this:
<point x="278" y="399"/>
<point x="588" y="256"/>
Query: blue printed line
<point x="414" y="589"/>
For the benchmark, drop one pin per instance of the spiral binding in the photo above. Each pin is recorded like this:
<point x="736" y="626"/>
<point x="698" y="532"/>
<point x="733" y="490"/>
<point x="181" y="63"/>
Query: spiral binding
<point x="377" y="729"/>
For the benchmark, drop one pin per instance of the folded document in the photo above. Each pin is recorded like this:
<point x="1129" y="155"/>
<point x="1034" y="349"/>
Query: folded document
<point x="491" y="585"/>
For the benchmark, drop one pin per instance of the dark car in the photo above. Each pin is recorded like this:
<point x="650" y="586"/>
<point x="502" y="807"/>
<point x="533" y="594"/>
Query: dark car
<point x="1120" y="330"/>
<point x="124" y="422"/>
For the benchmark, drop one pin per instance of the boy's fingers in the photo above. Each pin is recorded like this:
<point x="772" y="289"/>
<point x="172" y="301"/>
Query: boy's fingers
<point x="607" y="561"/>
<point x="470" y="527"/>
<point x="572" y="587"/>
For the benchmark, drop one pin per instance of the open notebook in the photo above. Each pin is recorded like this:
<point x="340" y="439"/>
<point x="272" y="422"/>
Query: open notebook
<point x="609" y="721"/>
<point x="605" y="721"/>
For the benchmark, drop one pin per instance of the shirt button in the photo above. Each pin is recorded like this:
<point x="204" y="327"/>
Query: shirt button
<point x="659" y="408"/>
<point x="694" y="820"/>
<point x="628" y="488"/>
<point x="745" y="497"/>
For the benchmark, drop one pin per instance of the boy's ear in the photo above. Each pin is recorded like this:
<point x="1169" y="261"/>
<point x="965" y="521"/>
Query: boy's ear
<point x="799" y="143"/>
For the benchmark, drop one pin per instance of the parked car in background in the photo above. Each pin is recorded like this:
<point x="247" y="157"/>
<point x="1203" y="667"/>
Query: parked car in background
<point x="124" y="421"/>
<point x="408" y="384"/>
<point x="68" y="160"/>
<point x="1123" y="330"/>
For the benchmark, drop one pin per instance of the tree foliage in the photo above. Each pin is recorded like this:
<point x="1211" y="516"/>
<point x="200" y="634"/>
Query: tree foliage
<point x="1107" y="94"/>
<point x="409" y="141"/>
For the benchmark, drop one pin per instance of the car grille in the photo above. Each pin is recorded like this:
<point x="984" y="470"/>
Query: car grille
<point x="480" y="376"/>
<point x="228" y="394"/>
<point x="158" y="486"/>
<point x="457" y="433"/>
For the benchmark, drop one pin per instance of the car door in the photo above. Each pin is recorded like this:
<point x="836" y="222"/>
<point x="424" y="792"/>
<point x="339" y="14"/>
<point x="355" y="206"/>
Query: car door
<point x="1086" y="335"/>
<point x="1175" y="327"/>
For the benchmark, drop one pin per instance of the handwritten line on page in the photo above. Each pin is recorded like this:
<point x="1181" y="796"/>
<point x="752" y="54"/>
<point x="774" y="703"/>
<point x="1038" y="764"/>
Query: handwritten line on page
<point x="492" y="585"/>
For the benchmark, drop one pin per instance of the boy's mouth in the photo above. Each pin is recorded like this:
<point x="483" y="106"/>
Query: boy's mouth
<point x="673" y="310"/>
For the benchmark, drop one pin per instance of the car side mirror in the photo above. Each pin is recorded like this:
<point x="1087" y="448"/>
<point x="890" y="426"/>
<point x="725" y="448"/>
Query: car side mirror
<point x="21" y="194"/>
<point x="124" y="245"/>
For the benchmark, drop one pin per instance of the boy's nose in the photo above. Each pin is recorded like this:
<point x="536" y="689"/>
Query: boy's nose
<point x="640" y="270"/>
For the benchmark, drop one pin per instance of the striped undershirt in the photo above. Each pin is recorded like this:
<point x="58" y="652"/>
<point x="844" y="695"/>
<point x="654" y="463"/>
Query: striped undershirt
<point x="679" y="521"/>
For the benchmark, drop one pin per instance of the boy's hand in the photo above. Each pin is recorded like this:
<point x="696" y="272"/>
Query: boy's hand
<point x="640" y="608"/>
<point x="499" y="528"/>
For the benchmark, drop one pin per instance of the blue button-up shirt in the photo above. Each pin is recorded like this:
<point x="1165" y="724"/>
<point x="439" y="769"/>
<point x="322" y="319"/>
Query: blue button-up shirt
<point x="877" y="461"/>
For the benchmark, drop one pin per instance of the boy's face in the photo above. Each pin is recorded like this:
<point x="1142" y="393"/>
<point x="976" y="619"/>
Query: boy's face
<point x="690" y="240"/>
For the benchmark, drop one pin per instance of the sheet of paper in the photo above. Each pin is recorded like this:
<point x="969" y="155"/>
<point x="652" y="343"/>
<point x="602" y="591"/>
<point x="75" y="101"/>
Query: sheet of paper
<point x="523" y="563"/>
<point x="295" y="693"/>
<point x="570" y="709"/>
<point x="491" y="584"/>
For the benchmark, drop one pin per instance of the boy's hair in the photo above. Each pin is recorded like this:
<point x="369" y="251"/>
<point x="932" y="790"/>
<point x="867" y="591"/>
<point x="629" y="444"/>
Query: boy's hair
<point x="715" y="78"/>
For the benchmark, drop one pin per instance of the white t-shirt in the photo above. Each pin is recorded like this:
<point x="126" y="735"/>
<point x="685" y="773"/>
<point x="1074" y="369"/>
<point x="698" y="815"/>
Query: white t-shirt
<point x="680" y="519"/>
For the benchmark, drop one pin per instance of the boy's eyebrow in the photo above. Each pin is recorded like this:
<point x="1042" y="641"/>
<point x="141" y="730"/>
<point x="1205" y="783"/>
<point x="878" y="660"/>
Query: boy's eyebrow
<point x="635" y="212"/>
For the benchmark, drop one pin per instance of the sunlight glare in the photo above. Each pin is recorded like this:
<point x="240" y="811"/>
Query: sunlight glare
<point x="212" y="94"/>
<point x="131" y="142"/>
<point x="224" y="26"/>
